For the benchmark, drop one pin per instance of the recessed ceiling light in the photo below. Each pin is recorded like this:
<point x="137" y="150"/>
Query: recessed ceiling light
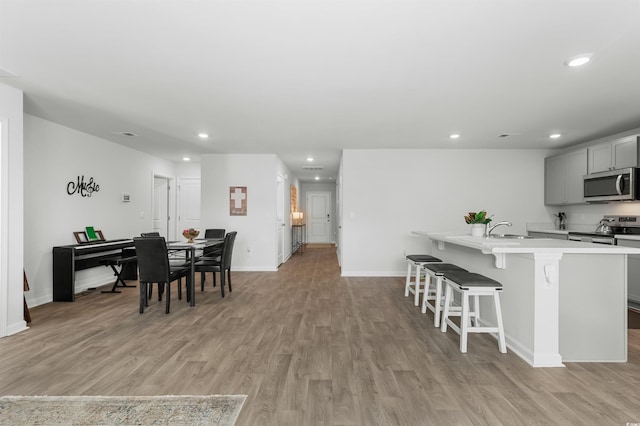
<point x="317" y="177"/>
<point x="186" y="159"/>
<point x="555" y="135"/>
<point x="454" y="136"/>
<point x="578" y="60"/>
<point x="310" y="159"/>
<point x="203" y="135"/>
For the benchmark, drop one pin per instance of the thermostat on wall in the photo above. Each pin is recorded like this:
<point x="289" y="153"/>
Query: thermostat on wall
<point x="125" y="198"/>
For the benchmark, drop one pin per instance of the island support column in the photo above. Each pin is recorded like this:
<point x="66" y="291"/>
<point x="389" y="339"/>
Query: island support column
<point x="546" y="339"/>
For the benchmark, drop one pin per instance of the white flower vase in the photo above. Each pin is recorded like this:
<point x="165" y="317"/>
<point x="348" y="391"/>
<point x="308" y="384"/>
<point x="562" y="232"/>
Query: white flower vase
<point x="477" y="229"/>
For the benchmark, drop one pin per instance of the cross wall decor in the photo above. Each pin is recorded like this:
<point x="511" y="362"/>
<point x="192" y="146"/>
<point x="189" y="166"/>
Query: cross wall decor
<point x="237" y="200"/>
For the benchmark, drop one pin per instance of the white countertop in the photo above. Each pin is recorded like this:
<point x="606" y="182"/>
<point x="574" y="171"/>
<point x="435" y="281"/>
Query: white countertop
<point x="527" y="245"/>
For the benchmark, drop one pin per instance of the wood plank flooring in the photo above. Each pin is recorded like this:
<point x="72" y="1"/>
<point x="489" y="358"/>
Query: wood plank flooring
<point x="309" y="348"/>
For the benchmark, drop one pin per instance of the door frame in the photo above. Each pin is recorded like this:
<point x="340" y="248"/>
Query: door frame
<point x="166" y="225"/>
<point x="171" y="201"/>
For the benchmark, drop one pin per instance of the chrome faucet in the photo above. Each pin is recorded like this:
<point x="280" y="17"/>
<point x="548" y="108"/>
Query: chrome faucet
<point x="491" y="228"/>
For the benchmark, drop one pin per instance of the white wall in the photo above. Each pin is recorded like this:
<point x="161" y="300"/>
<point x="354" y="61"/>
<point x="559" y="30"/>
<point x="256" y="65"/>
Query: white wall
<point x="11" y="211"/>
<point x="256" y="245"/>
<point x="386" y="194"/>
<point x="55" y="155"/>
<point x="187" y="169"/>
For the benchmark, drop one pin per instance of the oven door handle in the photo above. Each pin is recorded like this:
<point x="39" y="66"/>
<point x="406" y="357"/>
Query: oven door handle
<point x="597" y="240"/>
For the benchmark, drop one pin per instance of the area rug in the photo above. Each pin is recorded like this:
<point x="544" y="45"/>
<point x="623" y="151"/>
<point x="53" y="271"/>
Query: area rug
<point x="121" y="410"/>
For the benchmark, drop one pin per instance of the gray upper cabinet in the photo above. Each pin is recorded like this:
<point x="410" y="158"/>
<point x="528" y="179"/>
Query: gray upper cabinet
<point x="613" y="155"/>
<point x="563" y="178"/>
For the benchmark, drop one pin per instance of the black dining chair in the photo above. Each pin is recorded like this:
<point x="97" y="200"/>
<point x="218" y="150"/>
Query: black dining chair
<point x="220" y="264"/>
<point x="214" y="251"/>
<point x="150" y="234"/>
<point x="175" y="260"/>
<point x="154" y="267"/>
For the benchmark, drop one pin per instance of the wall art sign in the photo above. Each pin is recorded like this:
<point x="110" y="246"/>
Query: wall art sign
<point x="294" y="198"/>
<point x="237" y="200"/>
<point x="82" y="188"/>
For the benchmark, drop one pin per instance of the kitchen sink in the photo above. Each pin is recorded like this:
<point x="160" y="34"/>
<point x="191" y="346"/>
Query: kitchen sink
<point x="509" y="236"/>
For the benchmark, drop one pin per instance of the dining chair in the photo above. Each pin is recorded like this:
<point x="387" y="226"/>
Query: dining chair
<point x="154" y="267"/>
<point x="220" y="264"/>
<point x="215" y="250"/>
<point x="175" y="260"/>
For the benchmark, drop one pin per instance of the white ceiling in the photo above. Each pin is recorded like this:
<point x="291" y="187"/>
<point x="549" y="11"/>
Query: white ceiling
<point x="299" y="78"/>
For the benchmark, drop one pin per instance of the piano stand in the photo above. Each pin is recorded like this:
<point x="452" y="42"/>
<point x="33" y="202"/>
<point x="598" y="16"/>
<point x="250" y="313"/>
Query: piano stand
<point x="77" y="257"/>
<point x="121" y="262"/>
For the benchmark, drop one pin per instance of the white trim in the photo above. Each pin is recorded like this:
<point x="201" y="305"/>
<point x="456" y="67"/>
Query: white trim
<point x="4" y="240"/>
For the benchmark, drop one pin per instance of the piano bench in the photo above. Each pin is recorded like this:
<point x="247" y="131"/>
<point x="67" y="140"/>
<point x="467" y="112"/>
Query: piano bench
<point x="113" y="262"/>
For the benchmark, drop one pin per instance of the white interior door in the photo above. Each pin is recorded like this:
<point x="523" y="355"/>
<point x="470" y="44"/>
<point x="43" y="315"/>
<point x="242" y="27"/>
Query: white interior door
<point x="188" y="204"/>
<point x="161" y="206"/>
<point x="280" y="225"/>
<point x="319" y="217"/>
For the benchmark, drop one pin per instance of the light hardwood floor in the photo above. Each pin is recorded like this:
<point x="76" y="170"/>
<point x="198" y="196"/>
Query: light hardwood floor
<point x="307" y="347"/>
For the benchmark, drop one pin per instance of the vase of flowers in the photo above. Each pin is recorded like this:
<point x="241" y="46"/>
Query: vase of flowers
<point x="478" y="222"/>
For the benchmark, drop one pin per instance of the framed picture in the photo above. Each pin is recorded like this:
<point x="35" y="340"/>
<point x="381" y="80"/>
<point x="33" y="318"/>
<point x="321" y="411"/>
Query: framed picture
<point x="237" y="200"/>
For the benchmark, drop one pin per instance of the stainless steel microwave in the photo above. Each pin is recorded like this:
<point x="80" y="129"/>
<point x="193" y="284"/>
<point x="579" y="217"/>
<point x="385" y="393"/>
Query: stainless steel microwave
<point x="614" y="185"/>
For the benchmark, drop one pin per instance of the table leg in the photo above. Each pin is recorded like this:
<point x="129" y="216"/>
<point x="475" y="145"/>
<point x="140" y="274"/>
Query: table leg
<point x="192" y="280"/>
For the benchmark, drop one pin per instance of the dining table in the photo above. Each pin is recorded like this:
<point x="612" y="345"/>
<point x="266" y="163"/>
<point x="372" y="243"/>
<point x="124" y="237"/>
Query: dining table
<point x="193" y="251"/>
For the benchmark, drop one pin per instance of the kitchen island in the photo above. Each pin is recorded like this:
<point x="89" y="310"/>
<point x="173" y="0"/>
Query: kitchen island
<point x="563" y="301"/>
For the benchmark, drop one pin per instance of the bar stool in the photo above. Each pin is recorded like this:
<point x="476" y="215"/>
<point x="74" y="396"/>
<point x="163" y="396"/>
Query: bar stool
<point x="418" y="261"/>
<point x="434" y="290"/>
<point x="471" y="284"/>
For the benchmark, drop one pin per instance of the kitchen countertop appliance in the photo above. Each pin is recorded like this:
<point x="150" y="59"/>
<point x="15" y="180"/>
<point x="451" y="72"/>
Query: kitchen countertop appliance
<point x="608" y="228"/>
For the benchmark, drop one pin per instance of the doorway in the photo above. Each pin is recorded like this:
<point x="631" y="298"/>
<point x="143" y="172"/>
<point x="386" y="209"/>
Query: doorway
<point x="161" y="206"/>
<point x="319" y="220"/>
<point x="280" y="225"/>
<point x="188" y="204"/>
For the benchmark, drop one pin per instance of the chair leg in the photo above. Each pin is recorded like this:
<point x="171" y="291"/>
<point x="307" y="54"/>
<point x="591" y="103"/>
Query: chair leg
<point x="438" y="302"/>
<point x="143" y="296"/>
<point x="168" y="300"/>
<point x="408" y="281"/>
<point x="445" y="312"/>
<point x="149" y="293"/>
<point x="179" y="288"/>
<point x="222" y="281"/>
<point x="501" y="340"/>
<point x="214" y="278"/>
<point x="188" y="286"/>
<point x="229" y="279"/>
<point x="202" y="280"/>
<point x="416" y="294"/>
<point x="464" y="322"/>
<point x="160" y="291"/>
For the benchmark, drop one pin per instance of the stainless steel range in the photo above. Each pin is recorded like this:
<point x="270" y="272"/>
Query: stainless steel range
<point x="608" y="228"/>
